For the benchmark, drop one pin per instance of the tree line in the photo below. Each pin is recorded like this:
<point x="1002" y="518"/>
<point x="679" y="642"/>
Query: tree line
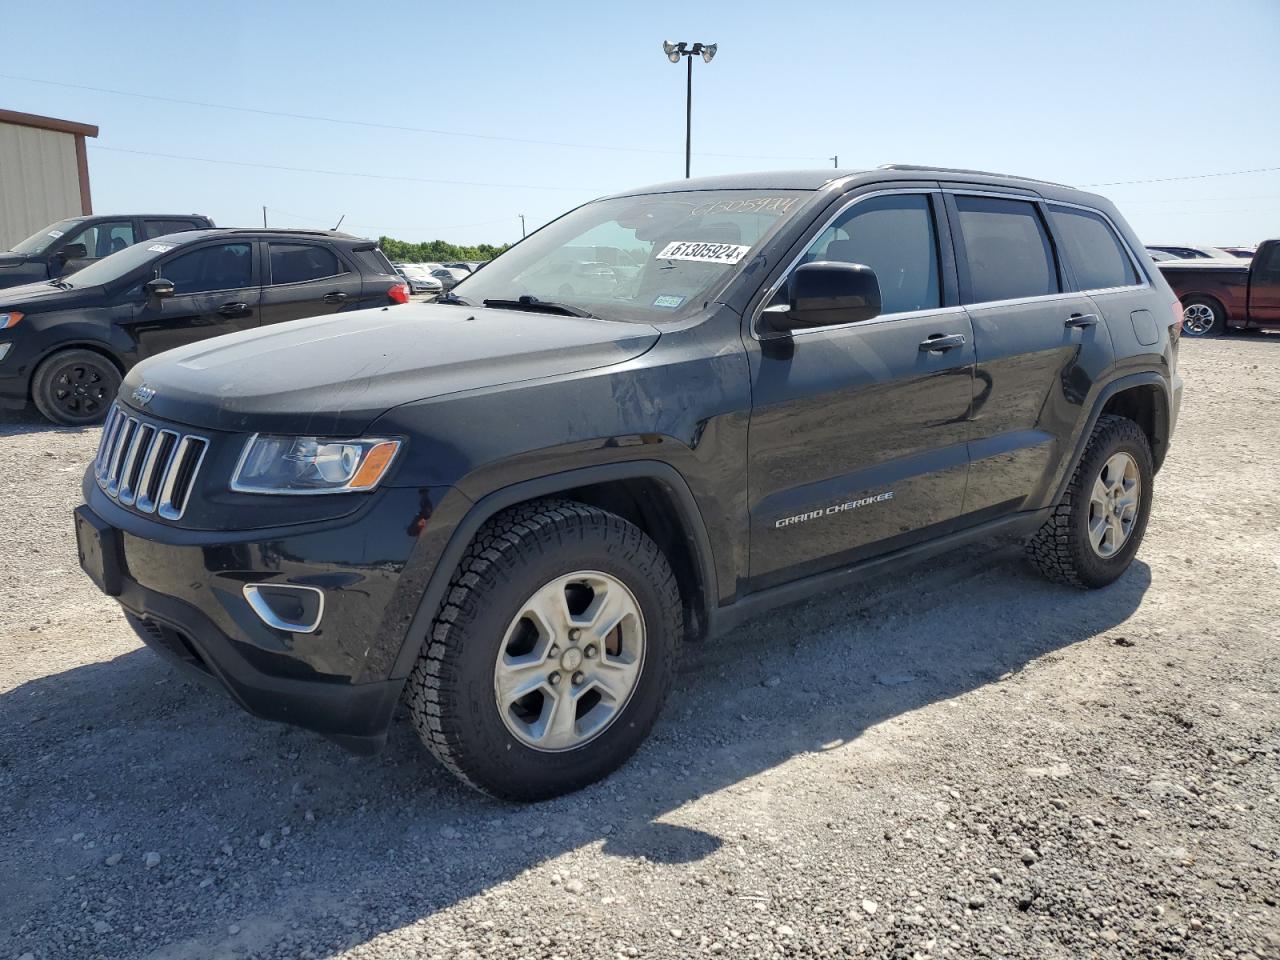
<point x="437" y="251"/>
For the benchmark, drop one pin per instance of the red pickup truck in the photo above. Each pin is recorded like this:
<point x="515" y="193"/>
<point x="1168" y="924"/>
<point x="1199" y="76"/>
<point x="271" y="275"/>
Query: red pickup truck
<point x="1222" y="295"/>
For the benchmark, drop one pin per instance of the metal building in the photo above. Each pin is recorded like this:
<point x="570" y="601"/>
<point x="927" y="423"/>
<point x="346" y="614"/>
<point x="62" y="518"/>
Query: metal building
<point x="44" y="173"/>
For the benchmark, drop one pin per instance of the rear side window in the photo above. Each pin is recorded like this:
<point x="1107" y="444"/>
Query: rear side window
<point x="226" y="266"/>
<point x="300" y="262"/>
<point x="1097" y="257"/>
<point x="374" y="261"/>
<point x="1007" y="248"/>
<point x="161" y="228"/>
<point x="894" y="236"/>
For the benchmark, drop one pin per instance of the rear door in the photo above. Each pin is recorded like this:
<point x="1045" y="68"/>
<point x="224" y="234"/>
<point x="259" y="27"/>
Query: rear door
<point x="857" y="440"/>
<point x="215" y="292"/>
<point x="1264" y="285"/>
<point x="306" y="279"/>
<point x="1040" y="346"/>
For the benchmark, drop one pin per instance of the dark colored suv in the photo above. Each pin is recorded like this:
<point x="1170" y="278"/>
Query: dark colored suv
<point x="66" y="343"/>
<point x="62" y="248"/>
<point x="510" y="507"/>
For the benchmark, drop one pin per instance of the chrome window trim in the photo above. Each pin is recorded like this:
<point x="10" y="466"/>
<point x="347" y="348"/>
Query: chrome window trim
<point x="1124" y="245"/>
<point x="782" y="278"/>
<point x="269" y="617"/>
<point x="1036" y="198"/>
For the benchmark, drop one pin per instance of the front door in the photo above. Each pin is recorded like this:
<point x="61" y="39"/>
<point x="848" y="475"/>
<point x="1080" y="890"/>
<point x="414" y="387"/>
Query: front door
<point x="307" y="280"/>
<point x="857" y="441"/>
<point x="1040" y="348"/>
<point x="215" y="291"/>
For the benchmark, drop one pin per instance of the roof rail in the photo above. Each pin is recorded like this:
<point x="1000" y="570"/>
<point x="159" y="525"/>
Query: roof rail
<point x="924" y="168"/>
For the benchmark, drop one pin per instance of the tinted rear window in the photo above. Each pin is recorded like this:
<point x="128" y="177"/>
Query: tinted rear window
<point x="300" y="262"/>
<point x="373" y="261"/>
<point x="1007" y="248"/>
<point x="1096" y="255"/>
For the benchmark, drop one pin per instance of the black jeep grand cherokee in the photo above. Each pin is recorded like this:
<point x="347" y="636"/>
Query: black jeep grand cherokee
<point x="664" y="411"/>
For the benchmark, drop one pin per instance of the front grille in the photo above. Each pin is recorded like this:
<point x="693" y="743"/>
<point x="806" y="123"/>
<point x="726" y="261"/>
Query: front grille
<point x="147" y="467"/>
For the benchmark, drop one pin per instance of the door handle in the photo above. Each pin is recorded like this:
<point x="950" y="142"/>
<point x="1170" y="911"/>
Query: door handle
<point x="938" y="342"/>
<point x="336" y="297"/>
<point x="1081" y="320"/>
<point x="233" y="309"/>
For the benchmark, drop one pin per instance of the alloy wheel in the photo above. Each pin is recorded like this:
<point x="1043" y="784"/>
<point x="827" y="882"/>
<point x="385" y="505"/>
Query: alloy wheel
<point x="80" y="390"/>
<point x="1198" y="319"/>
<point x="1113" y="504"/>
<point x="570" y="661"/>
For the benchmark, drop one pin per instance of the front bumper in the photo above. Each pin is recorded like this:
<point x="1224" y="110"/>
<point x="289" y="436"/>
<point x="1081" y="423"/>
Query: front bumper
<point x="183" y="593"/>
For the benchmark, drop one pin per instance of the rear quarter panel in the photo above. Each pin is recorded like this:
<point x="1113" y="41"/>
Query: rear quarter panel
<point x="1229" y="286"/>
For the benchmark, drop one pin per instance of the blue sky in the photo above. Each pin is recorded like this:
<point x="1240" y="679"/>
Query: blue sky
<point x="1082" y="93"/>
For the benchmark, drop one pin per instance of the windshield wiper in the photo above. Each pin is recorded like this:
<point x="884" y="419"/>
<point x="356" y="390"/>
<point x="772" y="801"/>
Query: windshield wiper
<point x="528" y="302"/>
<point x="60" y="284"/>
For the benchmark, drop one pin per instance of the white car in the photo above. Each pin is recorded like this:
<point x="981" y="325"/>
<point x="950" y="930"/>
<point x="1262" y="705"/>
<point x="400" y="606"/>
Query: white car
<point x="419" y="280"/>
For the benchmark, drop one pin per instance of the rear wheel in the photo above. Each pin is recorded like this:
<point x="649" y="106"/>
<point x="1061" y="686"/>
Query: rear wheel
<point x="1093" y="533"/>
<point x="552" y="654"/>
<point x="75" y="387"/>
<point x="1203" y="317"/>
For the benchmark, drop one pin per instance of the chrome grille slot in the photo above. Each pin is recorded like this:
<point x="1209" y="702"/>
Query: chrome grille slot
<point x="180" y="476"/>
<point x="147" y="467"/>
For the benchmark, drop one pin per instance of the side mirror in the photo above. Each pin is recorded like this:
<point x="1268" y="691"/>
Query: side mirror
<point x="73" y="251"/>
<point x="825" y="292"/>
<point x="158" y="289"/>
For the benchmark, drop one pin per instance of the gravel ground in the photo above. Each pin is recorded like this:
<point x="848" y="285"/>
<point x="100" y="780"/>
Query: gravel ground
<point x="961" y="762"/>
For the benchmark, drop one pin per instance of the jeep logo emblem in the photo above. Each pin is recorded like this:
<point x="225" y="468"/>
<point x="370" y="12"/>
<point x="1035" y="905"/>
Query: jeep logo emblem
<point x="143" y="394"/>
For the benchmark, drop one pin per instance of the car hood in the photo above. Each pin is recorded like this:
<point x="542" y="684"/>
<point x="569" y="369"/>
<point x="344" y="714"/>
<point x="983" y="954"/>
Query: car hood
<point x="334" y="375"/>
<point x="40" y="294"/>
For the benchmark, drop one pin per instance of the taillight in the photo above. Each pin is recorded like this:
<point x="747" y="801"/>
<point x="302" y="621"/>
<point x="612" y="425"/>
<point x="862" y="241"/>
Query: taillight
<point x="1175" y="328"/>
<point x="399" y="293"/>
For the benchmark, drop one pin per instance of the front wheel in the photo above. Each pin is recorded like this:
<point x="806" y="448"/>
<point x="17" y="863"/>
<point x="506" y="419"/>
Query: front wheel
<point x="75" y="387"/>
<point x="1202" y="317"/>
<point x="1093" y="533"/>
<point x="552" y="654"/>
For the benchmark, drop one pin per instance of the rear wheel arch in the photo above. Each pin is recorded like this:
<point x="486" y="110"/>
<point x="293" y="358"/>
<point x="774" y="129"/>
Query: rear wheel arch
<point x="1147" y="405"/>
<point x="650" y="494"/>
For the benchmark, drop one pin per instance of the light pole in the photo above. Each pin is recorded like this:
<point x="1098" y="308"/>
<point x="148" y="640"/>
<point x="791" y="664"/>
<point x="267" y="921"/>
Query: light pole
<point x="522" y="233"/>
<point x="674" y="52"/>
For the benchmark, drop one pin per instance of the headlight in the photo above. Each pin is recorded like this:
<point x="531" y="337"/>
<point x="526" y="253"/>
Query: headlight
<point x="311" y="464"/>
<point x="10" y="319"/>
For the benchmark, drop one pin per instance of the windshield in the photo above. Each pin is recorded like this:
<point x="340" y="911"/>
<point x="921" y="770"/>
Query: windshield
<point x="42" y="240"/>
<point x="118" y="264"/>
<point x="648" y="258"/>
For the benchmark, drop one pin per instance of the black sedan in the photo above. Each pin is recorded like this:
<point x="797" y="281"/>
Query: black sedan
<point x="66" y="343"/>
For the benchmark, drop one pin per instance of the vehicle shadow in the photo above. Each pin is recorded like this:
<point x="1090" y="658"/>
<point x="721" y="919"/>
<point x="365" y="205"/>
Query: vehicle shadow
<point x="15" y="423"/>
<point x="276" y="830"/>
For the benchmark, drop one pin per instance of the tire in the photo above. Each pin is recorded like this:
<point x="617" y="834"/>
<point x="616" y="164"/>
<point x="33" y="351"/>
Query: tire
<point x="554" y="556"/>
<point x="1203" y="317"/>
<point x="1063" y="548"/>
<point x="75" y="388"/>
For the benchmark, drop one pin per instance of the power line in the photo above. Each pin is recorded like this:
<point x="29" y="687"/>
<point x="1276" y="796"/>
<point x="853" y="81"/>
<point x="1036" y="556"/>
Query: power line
<point x="334" y="173"/>
<point x="391" y="226"/>
<point x="384" y="126"/>
<point x="1194" y="176"/>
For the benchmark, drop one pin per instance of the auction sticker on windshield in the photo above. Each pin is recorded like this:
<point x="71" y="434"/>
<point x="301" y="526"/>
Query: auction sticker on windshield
<point x="703" y="252"/>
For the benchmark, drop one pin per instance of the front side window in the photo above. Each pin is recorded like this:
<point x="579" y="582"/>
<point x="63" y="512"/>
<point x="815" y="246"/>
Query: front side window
<point x="1007" y="248"/>
<point x="893" y="235"/>
<point x="225" y="266"/>
<point x="1097" y="257"/>
<point x="645" y="258"/>
<point x="104" y="239"/>
<point x="300" y="262"/>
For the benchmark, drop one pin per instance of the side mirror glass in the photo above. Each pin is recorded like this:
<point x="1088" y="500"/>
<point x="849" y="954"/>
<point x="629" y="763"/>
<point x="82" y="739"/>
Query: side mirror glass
<point x="824" y="292"/>
<point x="158" y="289"/>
